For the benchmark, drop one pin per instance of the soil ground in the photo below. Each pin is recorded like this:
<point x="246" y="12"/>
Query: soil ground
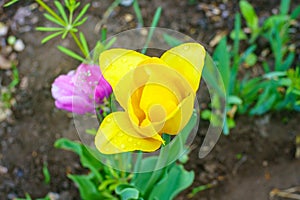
<point x="255" y="158"/>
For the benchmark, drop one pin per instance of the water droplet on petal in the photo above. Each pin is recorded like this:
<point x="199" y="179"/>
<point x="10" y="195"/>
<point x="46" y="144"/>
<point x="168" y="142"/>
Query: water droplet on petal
<point x="108" y="120"/>
<point x="120" y="134"/>
<point x="124" y="60"/>
<point x="186" y="47"/>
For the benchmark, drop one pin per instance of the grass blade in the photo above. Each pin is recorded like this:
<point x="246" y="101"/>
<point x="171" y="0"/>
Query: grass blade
<point x="10" y="3"/>
<point x="152" y="28"/>
<point x="171" y="41"/>
<point x="138" y="13"/>
<point x="284" y="7"/>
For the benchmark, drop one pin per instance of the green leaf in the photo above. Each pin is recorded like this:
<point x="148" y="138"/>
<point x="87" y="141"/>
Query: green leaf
<point x="84" y="43"/>
<point x="53" y="19"/>
<point x="265" y="103"/>
<point x="46" y="173"/>
<point x="251" y="59"/>
<point x="221" y="57"/>
<point x="241" y="35"/>
<point x="152" y="29"/>
<point x="51" y="36"/>
<point x="171" y="41"/>
<point x="99" y="48"/>
<point x="87" y="189"/>
<point x="91" y="131"/>
<point x="199" y="189"/>
<point x="81" y="21"/>
<point x="205" y="114"/>
<point x="82" y="12"/>
<point x="127" y="192"/>
<point x="274" y="74"/>
<point x="138" y="13"/>
<point x="284" y="7"/>
<point x="296" y="12"/>
<point x="234" y="100"/>
<point x="172" y="183"/>
<point x="61" y="11"/>
<point x="10" y="3"/>
<point x="249" y="14"/>
<point x="110" y="43"/>
<point x="86" y="158"/>
<point x="70" y="53"/>
<point x="49" y="29"/>
<point x="287" y="63"/>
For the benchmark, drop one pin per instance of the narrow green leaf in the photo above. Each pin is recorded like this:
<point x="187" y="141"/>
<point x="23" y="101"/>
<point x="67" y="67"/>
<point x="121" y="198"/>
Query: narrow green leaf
<point x="84" y="43"/>
<point x="61" y="11"/>
<point x="284" y="7"/>
<point x="82" y="12"/>
<point x="51" y="36"/>
<point x="110" y="43"/>
<point x="46" y="173"/>
<point x="199" y="189"/>
<point x="138" y="13"/>
<point x="152" y="28"/>
<point x="249" y="14"/>
<point x="10" y="3"/>
<point x="221" y="56"/>
<point x="49" y="29"/>
<point x="295" y="13"/>
<point x="53" y="19"/>
<point x="171" y="41"/>
<point x="70" y="53"/>
<point x="81" y="22"/>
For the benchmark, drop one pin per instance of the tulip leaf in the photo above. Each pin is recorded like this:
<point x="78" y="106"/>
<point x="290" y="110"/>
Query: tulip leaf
<point x="127" y="192"/>
<point x="87" y="188"/>
<point x="86" y="158"/>
<point x="172" y="183"/>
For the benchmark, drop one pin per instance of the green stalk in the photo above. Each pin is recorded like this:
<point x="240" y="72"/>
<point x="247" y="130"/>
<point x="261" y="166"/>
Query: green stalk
<point x="50" y="11"/>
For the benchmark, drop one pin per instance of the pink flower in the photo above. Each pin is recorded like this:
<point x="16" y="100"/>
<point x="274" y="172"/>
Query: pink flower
<point x="80" y="91"/>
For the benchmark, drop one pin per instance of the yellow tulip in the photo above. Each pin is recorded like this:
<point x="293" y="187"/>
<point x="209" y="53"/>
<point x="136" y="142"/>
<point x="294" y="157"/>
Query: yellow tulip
<point x="157" y="95"/>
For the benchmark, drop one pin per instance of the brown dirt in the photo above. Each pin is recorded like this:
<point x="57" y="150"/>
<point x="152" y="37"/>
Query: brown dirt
<point x="266" y="144"/>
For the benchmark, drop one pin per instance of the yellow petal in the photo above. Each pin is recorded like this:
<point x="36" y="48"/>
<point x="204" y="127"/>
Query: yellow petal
<point x="146" y="73"/>
<point x="157" y="102"/>
<point x="177" y="120"/>
<point x="115" y="63"/>
<point x="188" y="60"/>
<point x="116" y="135"/>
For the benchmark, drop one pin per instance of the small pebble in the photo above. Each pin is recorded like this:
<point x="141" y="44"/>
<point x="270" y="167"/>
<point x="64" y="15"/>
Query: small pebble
<point x="19" y="45"/>
<point x="53" y="196"/>
<point x="3" y="170"/>
<point x="3" y="29"/>
<point x="126" y="2"/>
<point x="128" y="17"/>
